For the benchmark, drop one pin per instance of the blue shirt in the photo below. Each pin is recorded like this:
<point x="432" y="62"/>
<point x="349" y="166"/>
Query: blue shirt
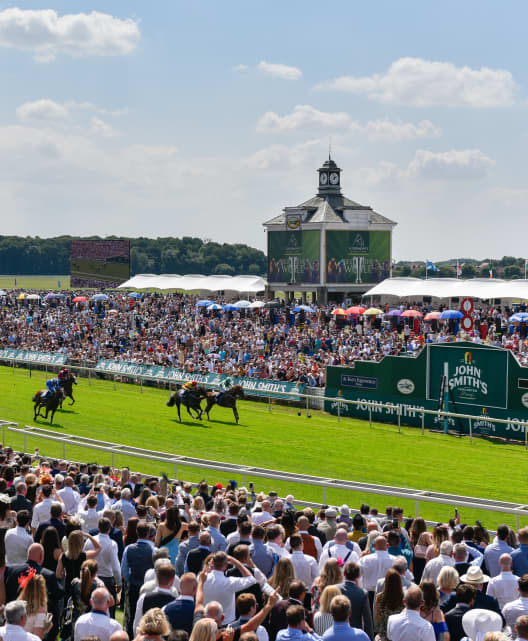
<point x="520" y="559"/>
<point x="293" y="634"/>
<point x="342" y="631"/>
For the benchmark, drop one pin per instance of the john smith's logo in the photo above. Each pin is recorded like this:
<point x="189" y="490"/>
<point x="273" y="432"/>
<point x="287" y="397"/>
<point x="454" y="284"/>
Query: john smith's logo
<point x="468" y="377"/>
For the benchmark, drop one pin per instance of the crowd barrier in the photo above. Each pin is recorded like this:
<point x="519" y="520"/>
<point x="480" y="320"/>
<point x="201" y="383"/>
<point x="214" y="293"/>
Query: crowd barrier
<point x="250" y="472"/>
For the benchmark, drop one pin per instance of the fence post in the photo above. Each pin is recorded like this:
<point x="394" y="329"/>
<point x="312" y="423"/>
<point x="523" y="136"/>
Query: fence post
<point x="13" y="365"/>
<point x="25" y="440"/>
<point x="269" y="402"/>
<point x="338" y="410"/>
<point x="324" y="495"/>
<point x="46" y="370"/>
<point x="64" y="450"/>
<point x="370" y="415"/>
<point x="517" y="522"/>
<point x="115" y="387"/>
<point x="141" y="384"/>
<point x="175" y="471"/>
<point x="470" y="431"/>
<point x="423" y="422"/>
<point x="417" y="508"/>
<point x="89" y="376"/>
<point x="525" y="436"/>
<point x="113" y="460"/>
<point x="29" y="369"/>
<point x="399" y="419"/>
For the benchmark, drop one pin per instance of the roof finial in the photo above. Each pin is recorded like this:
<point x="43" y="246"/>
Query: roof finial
<point x="330" y="148"/>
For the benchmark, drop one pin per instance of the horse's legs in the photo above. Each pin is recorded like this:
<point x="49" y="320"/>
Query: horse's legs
<point x="71" y="396"/>
<point x="235" y="412"/>
<point x="208" y="409"/>
<point x="178" y="404"/>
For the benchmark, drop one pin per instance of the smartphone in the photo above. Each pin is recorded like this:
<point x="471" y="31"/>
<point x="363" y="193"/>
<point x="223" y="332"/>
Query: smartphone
<point x="456" y="512"/>
<point x="251" y="486"/>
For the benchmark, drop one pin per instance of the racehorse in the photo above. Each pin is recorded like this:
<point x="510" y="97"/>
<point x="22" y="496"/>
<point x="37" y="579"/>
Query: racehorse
<point x="192" y="401"/>
<point x="50" y="401"/>
<point x="225" y="399"/>
<point x="67" y="388"/>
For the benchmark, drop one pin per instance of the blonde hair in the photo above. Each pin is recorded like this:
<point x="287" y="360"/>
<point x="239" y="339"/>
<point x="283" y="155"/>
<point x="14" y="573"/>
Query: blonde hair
<point x="447" y="579"/>
<point x="330" y="574"/>
<point x="152" y="501"/>
<point x="30" y="479"/>
<point x="75" y="544"/>
<point x="198" y="504"/>
<point x="88" y="572"/>
<point x="154" y="622"/>
<point x="35" y="594"/>
<point x="326" y="597"/>
<point x="204" y="630"/>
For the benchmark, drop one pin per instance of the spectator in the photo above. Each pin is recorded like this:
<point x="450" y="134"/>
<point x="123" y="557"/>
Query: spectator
<point x="495" y="550"/>
<point x="297" y="626"/>
<point x="323" y="618"/>
<point x="409" y="625"/>
<point x="17" y="540"/>
<point x="433" y="567"/>
<point x="360" y="612"/>
<point x="305" y="566"/>
<point x="180" y="611"/>
<point x="518" y="608"/>
<point x="465" y="599"/>
<point x="505" y="586"/>
<point x="16" y="618"/>
<point x="97" y="622"/>
<point x="341" y="630"/>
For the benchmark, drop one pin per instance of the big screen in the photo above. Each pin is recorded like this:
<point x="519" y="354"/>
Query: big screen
<point x="99" y="263"/>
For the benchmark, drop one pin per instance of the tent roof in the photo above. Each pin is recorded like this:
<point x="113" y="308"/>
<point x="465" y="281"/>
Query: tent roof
<point x="196" y="282"/>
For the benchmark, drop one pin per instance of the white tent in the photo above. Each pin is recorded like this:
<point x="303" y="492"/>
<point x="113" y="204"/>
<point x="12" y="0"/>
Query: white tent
<point x="197" y="282"/>
<point x="482" y="288"/>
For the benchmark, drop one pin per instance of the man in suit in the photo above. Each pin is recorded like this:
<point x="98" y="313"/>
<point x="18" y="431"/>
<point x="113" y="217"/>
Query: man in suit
<point x="55" y="592"/>
<point x="196" y="557"/>
<point x="20" y="502"/>
<point x="230" y="524"/>
<point x="278" y="620"/>
<point x="161" y="596"/>
<point x="465" y="599"/>
<point x="55" y="520"/>
<point x="242" y="554"/>
<point x="180" y="612"/>
<point x="360" y="613"/>
<point x="460" y="554"/>
<point x="115" y="533"/>
<point x="186" y="546"/>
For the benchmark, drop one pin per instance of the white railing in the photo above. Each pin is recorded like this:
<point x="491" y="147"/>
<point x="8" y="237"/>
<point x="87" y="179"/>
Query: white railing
<point x="306" y="400"/>
<point x="249" y="472"/>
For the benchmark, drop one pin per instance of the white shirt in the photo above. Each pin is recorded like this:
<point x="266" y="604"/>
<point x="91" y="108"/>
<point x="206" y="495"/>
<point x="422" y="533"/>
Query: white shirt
<point x="305" y="567"/>
<point x="70" y="498"/>
<point x="261" y="517"/>
<point x="233" y="537"/>
<point x="512" y="611"/>
<point x="95" y="624"/>
<point x="107" y="559"/>
<point x="338" y="551"/>
<point x="221" y="588"/>
<point x="280" y="552"/>
<point x="139" y="607"/>
<point x="374" y="566"/>
<point x="504" y="587"/>
<point x="433" y="567"/>
<point x="316" y="540"/>
<point x="41" y="513"/>
<point x="17" y="541"/>
<point x="10" y="632"/>
<point x="408" y="626"/>
<point x="89" y="519"/>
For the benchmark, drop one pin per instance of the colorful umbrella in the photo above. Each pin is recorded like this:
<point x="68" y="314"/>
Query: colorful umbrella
<point x="32" y="297"/>
<point x="80" y="299"/>
<point x="100" y="297"/>
<point x="257" y="304"/>
<point x="339" y="312"/>
<point x="451" y="314"/>
<point x="2" y="293"/>
<point x="214" y="307"/>
<point x="204" y="303"/>
<point x="355" y="310"/>
<point x="394" y="312"/>
<point x="412" y="313"/>
<point x="231" y="308"/>
<point x="21" y="297"/>
<point x="519" y="317"/>
<point x="372" y="311"/>
<point x="432" y="316"/>
<point x="241" y="304"/>
<point x="135" y="295"/>
<point x="303" y="308"/>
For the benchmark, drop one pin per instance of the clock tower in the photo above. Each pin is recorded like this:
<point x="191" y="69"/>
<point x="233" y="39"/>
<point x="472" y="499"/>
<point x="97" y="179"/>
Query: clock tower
<point x="329" y="178"/>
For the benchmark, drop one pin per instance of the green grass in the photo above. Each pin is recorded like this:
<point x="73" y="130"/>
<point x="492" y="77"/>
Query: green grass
<point x="34" y="282"/>
<point x="279" y="439"/>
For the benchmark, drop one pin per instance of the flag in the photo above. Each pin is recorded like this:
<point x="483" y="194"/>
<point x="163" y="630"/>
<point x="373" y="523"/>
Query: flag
<point x="491" y="270"/>
<point x="458" y="270"/>
<point x="431" y="267"/>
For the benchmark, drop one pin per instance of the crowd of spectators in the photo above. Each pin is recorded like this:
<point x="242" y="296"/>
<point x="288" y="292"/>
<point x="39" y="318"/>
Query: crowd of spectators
<point x="268" y="343"/>
<point x="88" y="553"/>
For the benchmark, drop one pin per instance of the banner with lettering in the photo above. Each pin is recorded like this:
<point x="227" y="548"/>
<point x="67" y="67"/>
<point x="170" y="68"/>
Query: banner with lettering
<point x="43" y="358"/>
<point x="256" y="386"/>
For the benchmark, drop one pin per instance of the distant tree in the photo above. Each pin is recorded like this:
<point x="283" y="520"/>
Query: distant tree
<point x="512" y="271"/>
<point x="223" y="268"/>
<point x="484" y="272"/>
<point x="508" y="260"/>
<point x="468" y="271"/>
<point x="405" y="270"/>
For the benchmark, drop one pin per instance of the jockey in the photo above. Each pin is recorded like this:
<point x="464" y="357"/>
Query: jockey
<point x="187" y="387"/>
<point x="53" y="385"/>
<point x="63" y="375"/>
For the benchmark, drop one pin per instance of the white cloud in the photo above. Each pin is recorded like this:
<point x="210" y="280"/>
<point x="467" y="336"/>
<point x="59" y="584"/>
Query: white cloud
<point x="42" y="110"/>
<point x="46" y="34"/>
<point x="101" y="128"/>
<point x="457" y="164"/>
<point x="387" y="130"/>
<point x="279" y="157"/>
<point x="241" y="67"/>
<point x="280" y="71"/>
<point x="421" y="83"/>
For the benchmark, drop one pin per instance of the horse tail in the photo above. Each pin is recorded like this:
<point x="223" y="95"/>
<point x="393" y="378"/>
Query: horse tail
<point x="171" y="401"/>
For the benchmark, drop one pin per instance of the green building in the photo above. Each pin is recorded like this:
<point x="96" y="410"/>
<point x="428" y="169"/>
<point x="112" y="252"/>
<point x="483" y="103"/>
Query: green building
<point x="328" y="245"/>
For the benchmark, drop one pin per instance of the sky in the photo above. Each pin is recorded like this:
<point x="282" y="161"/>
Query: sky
<point x="206" y="118"/>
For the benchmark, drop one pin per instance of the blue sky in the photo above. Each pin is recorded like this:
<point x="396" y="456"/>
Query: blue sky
<point x="207" y="118"/>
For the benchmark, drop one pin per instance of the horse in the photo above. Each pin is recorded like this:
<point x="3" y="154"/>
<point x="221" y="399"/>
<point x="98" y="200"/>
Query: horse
<point x="67" y="388"/>
<point x="50" y="401"/>
<point x="225" y="399"/>
<point x="191" y="401"/>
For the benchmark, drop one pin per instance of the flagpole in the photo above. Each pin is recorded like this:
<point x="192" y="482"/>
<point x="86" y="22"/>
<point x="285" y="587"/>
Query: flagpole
<point x="457" y="269"/>
<point x="426" y="270"/>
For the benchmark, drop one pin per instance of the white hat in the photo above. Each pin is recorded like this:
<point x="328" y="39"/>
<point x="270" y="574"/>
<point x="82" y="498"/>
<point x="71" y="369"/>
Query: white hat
<point x="477" y="623"/>
<point x="474" y="576"/>
<point x="344" y="509"/>
<point x="331" y="512"/>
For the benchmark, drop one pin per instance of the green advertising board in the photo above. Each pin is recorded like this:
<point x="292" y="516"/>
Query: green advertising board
<point x="357" y="256"/>
<point x="260" y="387"/>
<point x="44" y="358"/>
<point x="485" y="382"/>
<point x="294" y="256"/>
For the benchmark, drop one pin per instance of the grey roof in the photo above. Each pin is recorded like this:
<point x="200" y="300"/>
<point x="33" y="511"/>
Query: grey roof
<point x="329" y="209"/>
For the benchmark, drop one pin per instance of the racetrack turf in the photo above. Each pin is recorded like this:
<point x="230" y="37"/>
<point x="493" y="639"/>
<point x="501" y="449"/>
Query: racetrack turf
<point x="279" y="440"/>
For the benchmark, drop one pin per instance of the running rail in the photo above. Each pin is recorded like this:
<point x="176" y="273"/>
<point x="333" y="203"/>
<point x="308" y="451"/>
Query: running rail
<point x="246" y="471"/>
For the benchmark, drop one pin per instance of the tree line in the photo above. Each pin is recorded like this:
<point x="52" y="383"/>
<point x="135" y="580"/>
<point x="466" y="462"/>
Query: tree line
<point x="508" y="267"/>
<point x="51" y="256"/>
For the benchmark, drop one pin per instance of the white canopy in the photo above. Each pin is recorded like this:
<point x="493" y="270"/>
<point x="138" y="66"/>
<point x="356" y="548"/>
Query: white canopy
<point x="483" y="288"/>
<point x="197" y="282"/>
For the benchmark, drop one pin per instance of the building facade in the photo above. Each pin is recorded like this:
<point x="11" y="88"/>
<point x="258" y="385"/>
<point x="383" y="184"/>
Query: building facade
<point x="329" y="245"/>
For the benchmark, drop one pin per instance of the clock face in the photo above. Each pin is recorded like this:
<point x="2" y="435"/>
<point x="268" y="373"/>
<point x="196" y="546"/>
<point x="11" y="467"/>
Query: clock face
<point x="323" y="178"/>
<point x="334" y="178"/>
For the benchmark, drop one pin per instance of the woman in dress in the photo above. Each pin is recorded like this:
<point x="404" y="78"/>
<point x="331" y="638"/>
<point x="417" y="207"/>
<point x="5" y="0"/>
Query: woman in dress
<point x="35" y="595"/>
<point x="430" y="610"/>
<point x="52" y="548"/>
<point x="71" y="561"/>
<point x="440" y="534"/>
<point x="419" y="544"/>
<point x="331" y="574"/>
<point x="131" y="531"/>
<point x="170" y="532"/>
<point x="323" y="620"/>
<point x="389" y="601"/>
<point x="83" y="587"/>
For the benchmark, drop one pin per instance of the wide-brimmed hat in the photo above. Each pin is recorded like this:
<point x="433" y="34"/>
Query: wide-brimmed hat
<point x="478" y="622"/>
<point x="474" y="576"/>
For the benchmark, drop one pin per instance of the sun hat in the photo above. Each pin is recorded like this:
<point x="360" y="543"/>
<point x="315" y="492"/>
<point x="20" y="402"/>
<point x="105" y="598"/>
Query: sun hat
<point x="331" y="513"/>
<point x="344" y="510"/>
<point x="478" y="622"/>
<point x="474" y="576"/>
